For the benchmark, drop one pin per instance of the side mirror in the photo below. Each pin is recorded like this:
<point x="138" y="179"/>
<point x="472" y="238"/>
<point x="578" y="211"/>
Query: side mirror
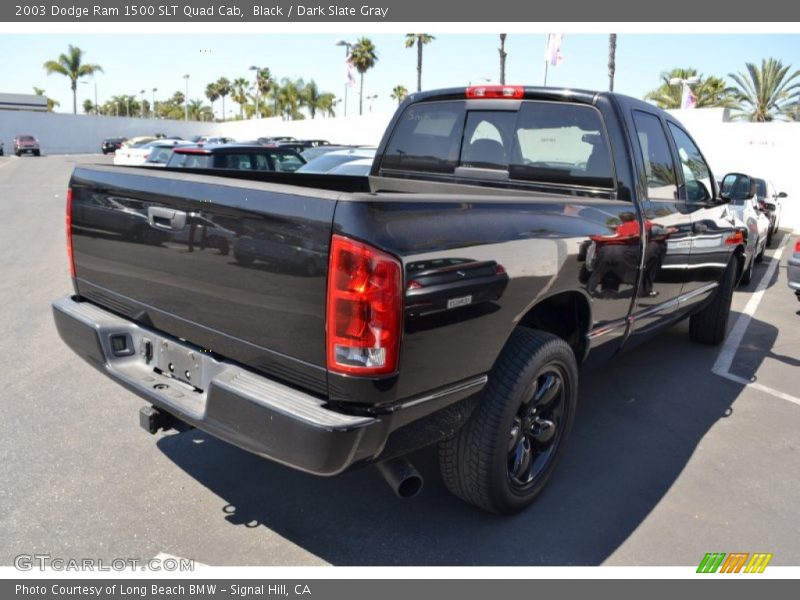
<point x="735" y="186"/>
<point x="782" y="195"/>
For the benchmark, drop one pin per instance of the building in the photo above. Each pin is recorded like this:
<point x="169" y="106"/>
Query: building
<point x="23" y="102"/>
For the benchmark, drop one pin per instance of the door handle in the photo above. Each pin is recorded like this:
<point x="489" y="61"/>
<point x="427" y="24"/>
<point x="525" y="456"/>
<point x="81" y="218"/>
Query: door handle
<point x="166" y="218"/>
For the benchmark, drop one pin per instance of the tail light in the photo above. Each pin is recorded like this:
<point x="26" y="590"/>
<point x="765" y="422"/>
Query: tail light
<point x="70" y="256"/>
<point x="511" y="92"/>
<point x="735" y="238"/>
<point x="797" y="246"/>
<point x="364" y="316"/>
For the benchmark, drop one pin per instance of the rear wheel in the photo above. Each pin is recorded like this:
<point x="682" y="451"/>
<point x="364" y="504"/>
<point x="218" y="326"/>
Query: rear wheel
<point x="710" y="325"/>
<point x="760" y="255"/>
<point x="36" y="153"/>
<point x="747" y="275"/>
<point x="504" y="455"/>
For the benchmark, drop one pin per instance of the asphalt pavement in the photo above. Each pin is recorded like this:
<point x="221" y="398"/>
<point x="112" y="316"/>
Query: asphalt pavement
<point x="667" y="461"/>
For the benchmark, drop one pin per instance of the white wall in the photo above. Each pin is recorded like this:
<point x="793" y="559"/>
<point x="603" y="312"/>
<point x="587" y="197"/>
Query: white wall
<point x="60" y="133"/>
<point x="765" y="150"/>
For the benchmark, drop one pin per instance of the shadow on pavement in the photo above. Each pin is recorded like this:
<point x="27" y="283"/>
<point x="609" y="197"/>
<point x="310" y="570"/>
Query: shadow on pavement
<point x="640" y="418"/>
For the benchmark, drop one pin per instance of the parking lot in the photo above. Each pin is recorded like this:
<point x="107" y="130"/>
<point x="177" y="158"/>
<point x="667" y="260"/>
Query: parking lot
<point x="678" y="449"/>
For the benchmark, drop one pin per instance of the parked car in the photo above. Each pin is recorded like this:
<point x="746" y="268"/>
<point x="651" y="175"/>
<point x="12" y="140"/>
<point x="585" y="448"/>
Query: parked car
<point x="793" y="270"/>
<point x="216" y="140"/>
<point x="769" y="201"/>
<point x="159" y="152"/>
<point x="448" y="303"/>
<point x="360" y="166"/>
<point x="275" y="139"/>
<point x="137" y="141"/>
<point x="311" y="153"/>
<point x="240" y="157"/>
<point x="24" y="144"/>
<point x="330" y="160"/>
<point x="111" y="144"/>
<point x="139" y="154"/>
<point x="741" y="189"/>
<point x="1" y="147"/>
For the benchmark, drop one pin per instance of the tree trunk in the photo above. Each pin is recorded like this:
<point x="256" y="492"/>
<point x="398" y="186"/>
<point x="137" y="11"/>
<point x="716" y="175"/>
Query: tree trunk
<point x="612" y="60"/>
<point x="74" y="97"/>
<point x="361" y="95"/>
<point x="419" y="64"/>
<point x="503" y="58"/>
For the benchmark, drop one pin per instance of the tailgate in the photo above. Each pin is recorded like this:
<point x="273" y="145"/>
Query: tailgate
<point x="235" y="267"/>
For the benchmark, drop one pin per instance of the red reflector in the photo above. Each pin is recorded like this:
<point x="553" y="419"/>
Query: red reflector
<point x="735" y="238"/>
<point x="414" y="285"/>
<point x="70" y="256"/>
<point x="499" y="270"/>
<point x="364" y="316"/>
<point x="511" y="92"/>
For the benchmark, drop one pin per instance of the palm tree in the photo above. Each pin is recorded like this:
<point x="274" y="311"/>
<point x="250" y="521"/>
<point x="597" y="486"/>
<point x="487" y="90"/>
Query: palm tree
<point x="223" y="89"/>
<point x="239" y="93"/>
<point x="363" y="56"/>
<point x="418" y="39"/>
<point x="711" y="92"/>
<point x="264" y="84"/>
<point x="767" y="93"/>
<point x="311" y="98"/>
<point x="503" y="55"/>
<point x="399" y="93"/>
<point x="71" y="65"/>
<point x="88" y="106"/>
<point x="327" y="102"/>
<point x="612" y="60"/>
<point x="290" y="98"/>
<point x="212" y="93"/>
<point x="51" y="104"/>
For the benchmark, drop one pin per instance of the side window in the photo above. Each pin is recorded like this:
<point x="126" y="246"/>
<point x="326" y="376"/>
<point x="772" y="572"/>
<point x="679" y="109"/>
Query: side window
<point x="696" y="174"/>
<point x="262" y="162"/>
<point x="426" y="138"/>
<point x="661" y="178"/>
<point x="287" y="162"/>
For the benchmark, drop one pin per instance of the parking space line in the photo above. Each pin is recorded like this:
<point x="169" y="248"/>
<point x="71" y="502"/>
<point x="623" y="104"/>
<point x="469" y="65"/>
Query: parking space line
<point x="722" y="366"/>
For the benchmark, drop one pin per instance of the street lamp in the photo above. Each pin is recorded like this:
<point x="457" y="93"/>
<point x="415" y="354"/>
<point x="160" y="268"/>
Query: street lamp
<point x="258" y="87"/>
<point x="186" y="99"/>
<point x="684" y="83"/>
<point x="347" y="45"/>
<point x="95" y="95"/>
<point x="370" y="99"/>
<point x="142" y="107"/>
<point x="154" y="102"/>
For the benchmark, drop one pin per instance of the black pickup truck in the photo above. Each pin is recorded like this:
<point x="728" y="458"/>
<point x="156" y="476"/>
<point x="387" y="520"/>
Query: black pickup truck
<point x="505" y="236"/>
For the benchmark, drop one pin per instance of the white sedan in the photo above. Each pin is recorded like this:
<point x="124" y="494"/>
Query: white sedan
<point x="138" y="155"/>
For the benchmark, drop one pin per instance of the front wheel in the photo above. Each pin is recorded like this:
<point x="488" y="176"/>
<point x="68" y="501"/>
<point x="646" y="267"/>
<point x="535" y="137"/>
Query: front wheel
<point x="504" y="455"/>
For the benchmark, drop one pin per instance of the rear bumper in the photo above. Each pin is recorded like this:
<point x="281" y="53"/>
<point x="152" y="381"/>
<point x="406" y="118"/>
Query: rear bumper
<point x="236" y="405"/>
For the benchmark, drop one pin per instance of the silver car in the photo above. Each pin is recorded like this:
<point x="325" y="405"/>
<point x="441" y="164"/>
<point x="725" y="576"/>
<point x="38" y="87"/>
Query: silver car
<point x="794" y="269"/>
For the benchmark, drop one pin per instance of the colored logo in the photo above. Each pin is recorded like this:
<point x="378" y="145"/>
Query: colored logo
<point x="735" y="562"/>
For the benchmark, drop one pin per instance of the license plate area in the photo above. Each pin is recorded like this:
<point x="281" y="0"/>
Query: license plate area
<point x="180" y="363"/>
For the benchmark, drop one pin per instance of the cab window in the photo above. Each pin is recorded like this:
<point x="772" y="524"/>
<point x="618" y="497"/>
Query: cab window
<point x="697" y="186"/>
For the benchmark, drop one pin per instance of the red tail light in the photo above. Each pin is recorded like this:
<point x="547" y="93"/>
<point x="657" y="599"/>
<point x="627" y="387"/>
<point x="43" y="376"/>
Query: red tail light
<point x="70" y="256"/>
<point x="797" y="246"/>
<point x="511" y="92"/>
<point x="364" y="316"/>
<point x="735" y="238"/>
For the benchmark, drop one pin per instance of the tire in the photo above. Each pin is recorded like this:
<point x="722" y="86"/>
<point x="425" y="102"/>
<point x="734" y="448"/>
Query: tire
<point x="760" y="255"/>
<point x="482" y="464"/>
<point x="36" y="153"/>
<point x="243" y="259"/>
<point x="747" y="274"/>
<point x="769" y="238"/>
<point x="710" y="325"/>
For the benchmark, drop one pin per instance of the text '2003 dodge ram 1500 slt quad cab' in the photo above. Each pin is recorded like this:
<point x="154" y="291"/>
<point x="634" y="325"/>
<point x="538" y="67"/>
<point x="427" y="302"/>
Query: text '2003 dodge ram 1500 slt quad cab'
<point x="504" y="236"/>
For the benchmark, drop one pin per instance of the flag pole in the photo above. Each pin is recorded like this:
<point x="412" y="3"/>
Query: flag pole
<point x="545" y="73"/>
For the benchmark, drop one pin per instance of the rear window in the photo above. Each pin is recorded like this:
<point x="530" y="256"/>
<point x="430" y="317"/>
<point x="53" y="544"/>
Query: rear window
<point x="187" y="160"/>
<point x="26" y="138"/>
<point x="548" y="142"/>
<point x="426" y="138"/>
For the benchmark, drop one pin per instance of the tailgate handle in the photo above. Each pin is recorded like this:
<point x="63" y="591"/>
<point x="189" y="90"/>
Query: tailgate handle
<point x="166" y="218"/>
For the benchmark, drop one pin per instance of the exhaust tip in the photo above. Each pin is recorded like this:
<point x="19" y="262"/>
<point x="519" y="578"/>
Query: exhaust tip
<point x="402" y="477"/>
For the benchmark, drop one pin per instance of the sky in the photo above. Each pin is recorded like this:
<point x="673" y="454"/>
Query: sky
<point x="134" y="62"/>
